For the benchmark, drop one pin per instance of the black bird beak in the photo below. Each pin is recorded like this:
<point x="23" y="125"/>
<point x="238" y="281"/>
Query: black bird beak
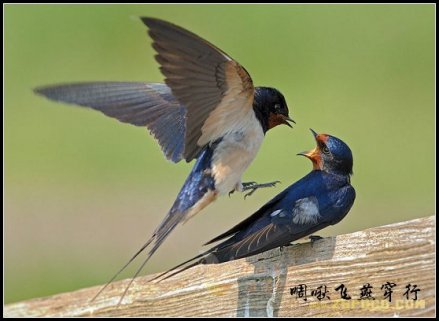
<point x="287" y="120"/>
<point x="313" y="132"/>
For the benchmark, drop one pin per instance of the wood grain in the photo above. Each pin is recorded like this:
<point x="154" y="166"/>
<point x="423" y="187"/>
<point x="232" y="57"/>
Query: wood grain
<point x="400" y="253"/>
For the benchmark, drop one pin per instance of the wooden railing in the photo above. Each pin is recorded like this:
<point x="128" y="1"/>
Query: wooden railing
<point x="364" y="263"/>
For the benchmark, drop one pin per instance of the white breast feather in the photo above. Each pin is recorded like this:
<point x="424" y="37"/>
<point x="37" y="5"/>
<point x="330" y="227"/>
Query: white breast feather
<point x="235" y="152"/>
<point x="306" y="210"/>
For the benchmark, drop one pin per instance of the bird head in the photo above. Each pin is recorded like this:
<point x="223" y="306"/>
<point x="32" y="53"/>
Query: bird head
<point x="331" y="155"/>
<point x="272" y="107"/>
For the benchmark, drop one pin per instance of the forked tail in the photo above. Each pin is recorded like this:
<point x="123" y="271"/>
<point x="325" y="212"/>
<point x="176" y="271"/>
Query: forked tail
<point x="197" y="192"/>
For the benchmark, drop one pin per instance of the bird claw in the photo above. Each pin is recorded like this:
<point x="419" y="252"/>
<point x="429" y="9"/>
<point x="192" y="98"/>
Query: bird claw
<point x="314" y="238"/>
<point x="250" y="193"/>
<point x="245" y="186"/>
<point x="283" y="247"/>
<point x="248" y="185"/>
<point x="253" y="186"/>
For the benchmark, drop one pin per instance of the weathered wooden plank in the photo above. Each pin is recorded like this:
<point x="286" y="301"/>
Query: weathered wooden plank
<point x="401" y="253"/>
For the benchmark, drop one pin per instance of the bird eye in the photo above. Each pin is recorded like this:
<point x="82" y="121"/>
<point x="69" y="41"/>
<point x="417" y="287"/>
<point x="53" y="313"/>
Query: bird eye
<point x="325" y="150"/>
<point x="277" y="107"/>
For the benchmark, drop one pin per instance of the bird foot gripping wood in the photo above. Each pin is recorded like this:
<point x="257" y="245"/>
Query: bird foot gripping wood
<point x="314" y="238"/>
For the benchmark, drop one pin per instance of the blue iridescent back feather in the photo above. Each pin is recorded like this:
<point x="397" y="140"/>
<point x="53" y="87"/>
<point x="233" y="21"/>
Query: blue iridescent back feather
<point x="199" y="181"/>
<point x="335" y="197"/>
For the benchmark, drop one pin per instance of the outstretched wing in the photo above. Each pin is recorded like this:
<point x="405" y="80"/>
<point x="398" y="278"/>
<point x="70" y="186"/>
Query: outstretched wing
<point x="216" y="90"/>
<point x="141" y="104"/>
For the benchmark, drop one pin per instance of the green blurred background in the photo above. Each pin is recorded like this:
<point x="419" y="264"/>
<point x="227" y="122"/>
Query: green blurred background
<point x="83" y="191"/>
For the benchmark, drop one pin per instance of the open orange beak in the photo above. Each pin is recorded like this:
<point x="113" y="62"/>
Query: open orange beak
<point x="314" y="154"/>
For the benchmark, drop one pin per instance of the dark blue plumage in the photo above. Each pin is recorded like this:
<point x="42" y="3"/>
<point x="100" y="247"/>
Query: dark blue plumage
<point x="321" y="198"/>
<point x="198" y="184"/>
<point x="332" y="194"/>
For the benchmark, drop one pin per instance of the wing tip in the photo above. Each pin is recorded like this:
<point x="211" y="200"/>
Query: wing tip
<point x="150" y="21"/>
<point x="216" y="239"/>
<point x="146" y="20"/>
<point x="40" y="90"/>
<point x="46" y="92"/>
<point x="53" y="92"/>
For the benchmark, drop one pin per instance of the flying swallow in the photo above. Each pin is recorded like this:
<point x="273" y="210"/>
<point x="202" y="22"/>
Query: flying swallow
<point x="321" y="198"/>
<point x="208" y="110"/>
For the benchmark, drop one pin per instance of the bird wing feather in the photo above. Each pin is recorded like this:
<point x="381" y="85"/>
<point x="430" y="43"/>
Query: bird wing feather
<point x="137" y="103"/>
<point x="216" y="90"/>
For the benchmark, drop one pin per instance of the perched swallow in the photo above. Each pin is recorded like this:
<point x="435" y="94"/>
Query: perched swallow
<point x="321" y="198"/>
<point x="208" y="110"/>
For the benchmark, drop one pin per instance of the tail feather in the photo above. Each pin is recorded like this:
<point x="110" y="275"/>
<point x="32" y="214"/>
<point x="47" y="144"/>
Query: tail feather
<point x="164" y="229"/>
<point x="180" y="271"/>
<point x="207" y="257"/>
<point x="197" y="192"/>
<point x="177" y="266"/>
<point x="123" y="268"/>
<point x="136" y="274"/>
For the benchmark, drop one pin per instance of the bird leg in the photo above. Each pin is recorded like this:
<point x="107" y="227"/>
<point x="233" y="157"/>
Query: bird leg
<point x="253" y="186"/>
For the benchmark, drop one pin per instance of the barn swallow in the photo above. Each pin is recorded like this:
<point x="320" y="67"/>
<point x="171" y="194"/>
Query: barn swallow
<point x="208" y="110"/>
<point x="321" y="198"/>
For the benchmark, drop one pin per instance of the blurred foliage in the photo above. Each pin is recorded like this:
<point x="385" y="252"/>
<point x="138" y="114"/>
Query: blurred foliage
<point x="82" y="191"/>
